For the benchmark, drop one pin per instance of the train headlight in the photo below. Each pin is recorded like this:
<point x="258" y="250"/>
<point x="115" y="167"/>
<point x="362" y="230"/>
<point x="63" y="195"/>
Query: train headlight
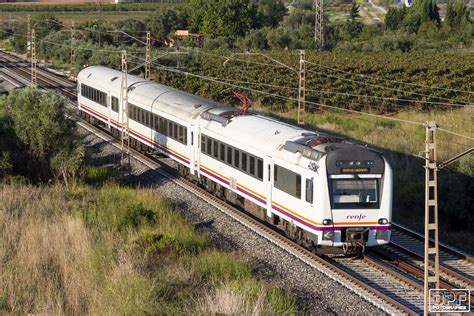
<point x="327" y="221"/>
<point x="383" y="221"/>
<point x="328" y="234"/>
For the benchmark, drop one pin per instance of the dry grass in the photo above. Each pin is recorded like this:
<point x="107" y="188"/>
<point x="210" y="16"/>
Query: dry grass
<point x="42" y="254"/>
<point x="115" y="251"/>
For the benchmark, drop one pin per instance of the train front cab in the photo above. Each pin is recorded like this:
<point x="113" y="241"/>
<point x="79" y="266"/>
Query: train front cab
<point x="359" y="190"/>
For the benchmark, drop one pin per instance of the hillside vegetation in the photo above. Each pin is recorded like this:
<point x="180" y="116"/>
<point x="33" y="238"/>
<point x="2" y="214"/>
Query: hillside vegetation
<point x="116" y="251"/>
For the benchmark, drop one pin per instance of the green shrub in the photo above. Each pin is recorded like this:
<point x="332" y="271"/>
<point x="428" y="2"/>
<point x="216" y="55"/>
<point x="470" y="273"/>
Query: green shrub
<point x="97" y="175"/>
<point x="215" y="266"/>
<point x="186" y="242"/>
<point x="136" y="215"/>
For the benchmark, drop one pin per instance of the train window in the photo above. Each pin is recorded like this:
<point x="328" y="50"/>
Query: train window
<point x="186" y="136"/>
<point x="209" y="146"/>
<point x="215" y="148"/>
<point x="236" y="158"/>
<point x="175" y="131"/>
<point x="222" y="152"/>
<point x="243" y="166"/>
<point x="203" y="143"/>
<point x="229" y="155"/>
<point x="156" y="122"/>
<point x="114" y="104"/>
<point x="354" y="193"/>
<point x="170" y="129"/>
<point x="147" y="118"/>
<point x="181" y="134"/>
<point x="134" y="112"/>
<point x="287" y="181"/>
<point x="260" y="169"/>
<point x="162" y="126"/>
<point x="252" y="165"/>
<point x="309" y="191"/>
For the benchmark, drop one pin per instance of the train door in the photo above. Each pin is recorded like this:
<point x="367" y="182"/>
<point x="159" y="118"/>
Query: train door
<point x="269" y="182"/>
<point x="193" y="146"/>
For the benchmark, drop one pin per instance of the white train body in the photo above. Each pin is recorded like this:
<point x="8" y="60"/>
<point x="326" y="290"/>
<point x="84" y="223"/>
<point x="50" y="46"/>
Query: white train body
<point x="334" y="193"/>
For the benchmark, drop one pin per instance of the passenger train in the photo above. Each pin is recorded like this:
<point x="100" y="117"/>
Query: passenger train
<point x="324" y="192"/>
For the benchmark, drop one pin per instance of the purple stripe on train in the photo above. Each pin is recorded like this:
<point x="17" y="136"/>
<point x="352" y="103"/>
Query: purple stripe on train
<point x="214" y="176"/>
<point x="251" y="195"/>
<point x="299" y="220"/>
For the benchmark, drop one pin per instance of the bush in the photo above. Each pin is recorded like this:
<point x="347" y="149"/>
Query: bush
<point x="97" y="175"/>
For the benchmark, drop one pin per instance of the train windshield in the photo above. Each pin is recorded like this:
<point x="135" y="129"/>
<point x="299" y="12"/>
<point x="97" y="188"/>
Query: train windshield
<point x="355" y="193"/>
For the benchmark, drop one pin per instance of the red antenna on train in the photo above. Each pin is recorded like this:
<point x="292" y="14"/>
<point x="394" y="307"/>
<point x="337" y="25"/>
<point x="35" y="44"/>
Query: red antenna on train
<point x="246" y="102"/>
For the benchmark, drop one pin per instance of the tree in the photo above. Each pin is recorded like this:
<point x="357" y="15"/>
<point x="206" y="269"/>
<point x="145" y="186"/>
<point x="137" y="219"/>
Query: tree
<point x="394" y="17"/>
<point x="69" y="161"/>
<point x="162" y="22"/>
<point x="40" y="139"/>
<point x="38" y="119"/>
<point x="228" y="18"/>
<point x="354" y="14"/>
<point x="271" y="12"/>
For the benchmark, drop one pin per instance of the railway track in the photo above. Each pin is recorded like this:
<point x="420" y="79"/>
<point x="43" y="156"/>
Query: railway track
<point x="377" y="278"/>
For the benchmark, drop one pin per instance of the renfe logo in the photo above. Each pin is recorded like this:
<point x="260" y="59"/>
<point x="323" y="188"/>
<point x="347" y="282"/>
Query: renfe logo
<point x="357" y="217"/>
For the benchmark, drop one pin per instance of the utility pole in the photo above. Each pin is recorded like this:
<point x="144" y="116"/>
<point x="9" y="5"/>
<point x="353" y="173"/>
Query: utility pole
<point x="431" y="213"/>
<point x="319" y="23"/>
<point x="302" y="89"/>
<point x="28" y="37"/>
<point x="431" y="209"/>
<point x="125" y="136"/>
<point x="33" y="59"/>
<point x="148" y="56"/>
<point x="72" y="65"/>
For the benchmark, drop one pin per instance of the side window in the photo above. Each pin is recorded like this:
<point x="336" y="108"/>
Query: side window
<point x="237" y="158"/>
<point x="203" y="143"/>
<point x="243" y="166"/>
<point x="252" y="165"/>
<point x="114" y="104"/>
<point x="181" y="134"/>
<point x="229" y="155"/>
<point x="209" y="146"/>
<point x="175" y="131"/>
<point x="222" y="152"/>
<point x="287" y="181"/>
<point x="215" y="148"/>
<point x="170" y="129"/>
<point x="156" y="125"/>
<point x="147" y="118"/>
<point x="309" y="191"/>
<point x="260" y="169"/>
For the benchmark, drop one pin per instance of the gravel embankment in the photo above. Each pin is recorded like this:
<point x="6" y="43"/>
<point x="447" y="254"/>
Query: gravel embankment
<point x="314" y="292"/>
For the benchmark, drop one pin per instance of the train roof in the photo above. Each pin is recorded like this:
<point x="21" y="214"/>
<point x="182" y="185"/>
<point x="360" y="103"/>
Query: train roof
<point x="175" y="102"/>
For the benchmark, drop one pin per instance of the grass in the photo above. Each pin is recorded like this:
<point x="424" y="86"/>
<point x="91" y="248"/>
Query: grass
<point x="111" y="250"/>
